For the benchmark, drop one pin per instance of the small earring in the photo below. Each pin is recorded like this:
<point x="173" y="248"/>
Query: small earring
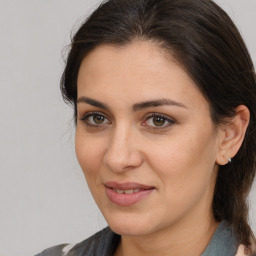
<point x="229" y="160"/>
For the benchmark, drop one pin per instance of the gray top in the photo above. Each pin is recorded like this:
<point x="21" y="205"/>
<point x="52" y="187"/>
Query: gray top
<point x="223" y="242"/>
<point x="105" y="242"/>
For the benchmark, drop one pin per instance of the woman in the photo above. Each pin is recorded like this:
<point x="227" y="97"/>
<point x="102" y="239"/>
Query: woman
<point x="164" y="97"/>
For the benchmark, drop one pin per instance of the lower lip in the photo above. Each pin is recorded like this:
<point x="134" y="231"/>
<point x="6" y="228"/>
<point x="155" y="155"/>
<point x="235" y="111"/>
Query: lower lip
<point x="127" y="199"/>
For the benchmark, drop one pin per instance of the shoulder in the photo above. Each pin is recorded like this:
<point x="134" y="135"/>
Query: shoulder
<point x="245" y="251"/>
<point x="101" y="243"/>
<point x="54" y="251"/>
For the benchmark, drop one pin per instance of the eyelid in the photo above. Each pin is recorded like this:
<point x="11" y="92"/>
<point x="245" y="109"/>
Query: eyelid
<point x="171" y="121"/>
<point x="90" y="113"/>
<point x="153" y="114"/>
<point x="86" y="115"/>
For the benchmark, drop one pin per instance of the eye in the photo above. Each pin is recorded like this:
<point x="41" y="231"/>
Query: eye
<point x="94" y="119"/>
<point x="158" y="121"/>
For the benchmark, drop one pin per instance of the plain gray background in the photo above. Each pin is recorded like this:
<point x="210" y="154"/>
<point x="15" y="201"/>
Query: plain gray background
<point x="44" y="199"/>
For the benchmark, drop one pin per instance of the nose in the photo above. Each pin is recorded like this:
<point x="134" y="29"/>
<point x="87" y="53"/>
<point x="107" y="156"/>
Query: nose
<point x="123" y="152"/>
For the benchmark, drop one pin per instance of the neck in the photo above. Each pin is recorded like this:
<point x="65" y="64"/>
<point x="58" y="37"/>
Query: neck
<point x="180" y="239"/>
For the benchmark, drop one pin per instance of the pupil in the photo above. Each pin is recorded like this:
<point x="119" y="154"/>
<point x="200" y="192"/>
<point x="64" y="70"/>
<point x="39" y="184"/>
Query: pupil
<point x="158" y="121"/>
<point x="98" y="119"/>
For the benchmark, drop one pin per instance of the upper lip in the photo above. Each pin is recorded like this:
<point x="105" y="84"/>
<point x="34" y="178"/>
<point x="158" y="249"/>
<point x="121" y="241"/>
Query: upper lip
<point x="126" y="185"/>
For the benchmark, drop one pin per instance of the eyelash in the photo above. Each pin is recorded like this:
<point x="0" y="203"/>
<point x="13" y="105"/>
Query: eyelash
<point x="165" y="118"/>
<point x="92" y="114"/>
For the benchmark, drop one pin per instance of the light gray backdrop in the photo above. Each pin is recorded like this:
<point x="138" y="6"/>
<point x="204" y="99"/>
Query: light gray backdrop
<point x="43" y="196"/>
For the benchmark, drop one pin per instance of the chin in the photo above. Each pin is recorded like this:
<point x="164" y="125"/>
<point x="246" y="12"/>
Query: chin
<point x="129" y="230"/>
<point x="130" y="225"/>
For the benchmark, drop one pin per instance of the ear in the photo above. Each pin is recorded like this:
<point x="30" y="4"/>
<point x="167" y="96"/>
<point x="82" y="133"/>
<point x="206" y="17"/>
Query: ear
<point x="232" y="135"/>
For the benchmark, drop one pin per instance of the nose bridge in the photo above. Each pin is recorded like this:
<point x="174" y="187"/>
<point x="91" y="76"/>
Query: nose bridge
<point x="119" y="140"/>
<point x="122" y="150"/>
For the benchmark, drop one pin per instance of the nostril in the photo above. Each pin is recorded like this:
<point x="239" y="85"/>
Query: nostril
<point x="122" y="160"/>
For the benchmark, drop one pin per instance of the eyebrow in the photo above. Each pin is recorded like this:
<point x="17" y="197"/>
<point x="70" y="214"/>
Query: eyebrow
<point x="157" y="103"/>
<point x="92" y="102"/>
<point x="136" y="107"/>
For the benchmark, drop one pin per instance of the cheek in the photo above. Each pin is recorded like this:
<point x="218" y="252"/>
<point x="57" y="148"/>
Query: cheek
<point x="89" y="152"/>
<point x="185" y="164"/>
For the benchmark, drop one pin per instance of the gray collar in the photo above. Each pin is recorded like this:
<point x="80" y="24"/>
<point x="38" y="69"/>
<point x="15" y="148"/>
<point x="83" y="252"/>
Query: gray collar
<point x="223" y="242"/>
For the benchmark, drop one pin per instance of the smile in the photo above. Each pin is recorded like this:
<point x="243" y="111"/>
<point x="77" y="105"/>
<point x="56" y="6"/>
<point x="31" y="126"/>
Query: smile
<point x="127" y="194"/>
<point x="128" y="191"/>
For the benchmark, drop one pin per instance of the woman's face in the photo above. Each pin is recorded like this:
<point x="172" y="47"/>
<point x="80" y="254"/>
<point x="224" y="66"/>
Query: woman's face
<point x="144" y="139"/>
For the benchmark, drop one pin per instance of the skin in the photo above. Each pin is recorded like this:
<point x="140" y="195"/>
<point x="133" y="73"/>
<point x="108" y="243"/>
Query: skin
<point x="179" y="158"/>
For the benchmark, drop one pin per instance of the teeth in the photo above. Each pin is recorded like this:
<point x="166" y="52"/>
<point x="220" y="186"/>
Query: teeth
<point x="119" y="191"/>
<point x="130" y="191"/>
<point x="127" y="191"/>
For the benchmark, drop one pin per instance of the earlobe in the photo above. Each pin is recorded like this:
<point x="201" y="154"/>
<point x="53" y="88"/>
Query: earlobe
<point x="233" y="134"/>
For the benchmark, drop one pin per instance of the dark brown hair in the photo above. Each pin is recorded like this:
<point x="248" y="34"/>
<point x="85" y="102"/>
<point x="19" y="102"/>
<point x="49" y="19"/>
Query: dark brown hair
<point x="202" y="37"/>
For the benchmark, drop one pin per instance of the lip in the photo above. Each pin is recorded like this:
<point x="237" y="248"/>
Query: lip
<point x="127" y="185"/>
<point x="127" y="199"/>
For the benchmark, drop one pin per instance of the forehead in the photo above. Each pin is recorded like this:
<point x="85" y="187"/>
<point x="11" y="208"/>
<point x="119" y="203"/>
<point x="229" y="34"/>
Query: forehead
<point x="140" y="70"/>
<point x="137" y="55"/>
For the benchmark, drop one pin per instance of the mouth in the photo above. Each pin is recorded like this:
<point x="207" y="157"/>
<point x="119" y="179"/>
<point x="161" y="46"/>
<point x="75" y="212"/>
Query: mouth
<point x="126" y="194"/>
<point x="126" y="191"/>
<point x="128" y="187"/>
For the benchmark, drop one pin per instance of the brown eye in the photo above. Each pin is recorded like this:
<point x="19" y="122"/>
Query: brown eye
<point x="158" y="121"/>
<point x="95" y="119"/>
<point x="98" y="119"/>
